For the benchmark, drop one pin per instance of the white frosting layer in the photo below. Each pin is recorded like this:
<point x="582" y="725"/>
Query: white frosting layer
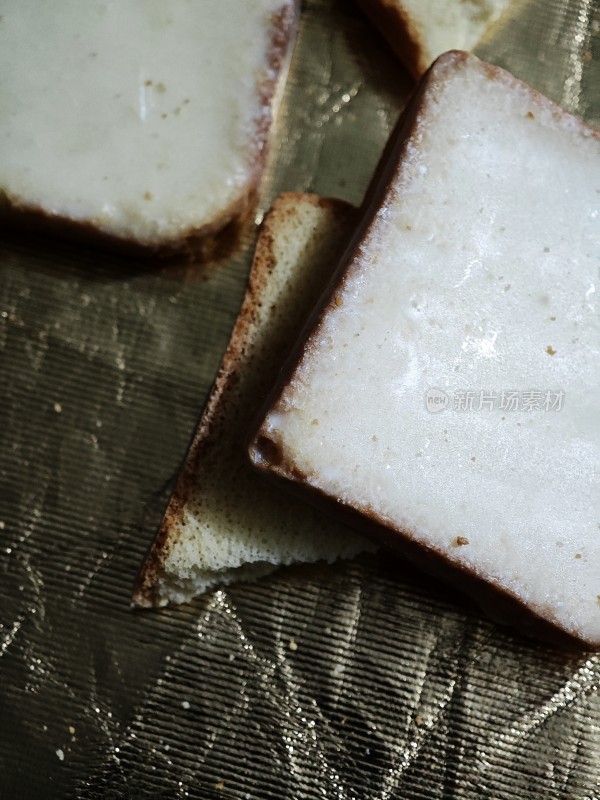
<point x="138" y="116"/>
<point x="480" y="273"/>
<point x="451" y="24"/>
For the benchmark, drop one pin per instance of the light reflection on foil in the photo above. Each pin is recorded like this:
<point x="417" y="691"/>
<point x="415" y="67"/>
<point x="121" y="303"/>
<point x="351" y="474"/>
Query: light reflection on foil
<point x="393" y="688"/>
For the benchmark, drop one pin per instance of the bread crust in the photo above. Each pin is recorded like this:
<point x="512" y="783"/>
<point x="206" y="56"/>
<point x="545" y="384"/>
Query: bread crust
<point x="264" y="453"/>
<point x="499" y="604"/>
<point x="398" y="29"/>
<point x="15" y="215"/>
<point x="145" y="591"/>
<point x="17" y="218"/>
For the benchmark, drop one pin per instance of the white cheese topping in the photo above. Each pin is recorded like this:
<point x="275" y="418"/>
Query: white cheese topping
<point x="137" y="116"/>
<point x="479" y="275"/>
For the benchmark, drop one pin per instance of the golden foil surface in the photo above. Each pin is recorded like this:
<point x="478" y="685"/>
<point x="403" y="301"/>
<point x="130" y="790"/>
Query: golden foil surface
<point x="358" y="681"/>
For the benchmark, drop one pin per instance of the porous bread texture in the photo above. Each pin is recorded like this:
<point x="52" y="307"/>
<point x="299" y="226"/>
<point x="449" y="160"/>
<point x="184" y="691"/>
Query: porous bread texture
<point x="224" y="523"/>
<point x="476" y="271"/>
<point x="421" y="30"/>
<point x="142" y="121"/>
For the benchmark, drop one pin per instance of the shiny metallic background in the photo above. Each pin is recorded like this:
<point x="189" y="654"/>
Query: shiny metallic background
<point x="357" y="681"/>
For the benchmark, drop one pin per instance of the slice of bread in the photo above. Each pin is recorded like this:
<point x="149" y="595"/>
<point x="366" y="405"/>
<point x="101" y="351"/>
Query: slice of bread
<point x="446" y="397"/>
<point x="223" y="522"/>
<point x="421" y="30"/>
<point x="142" y="124"/>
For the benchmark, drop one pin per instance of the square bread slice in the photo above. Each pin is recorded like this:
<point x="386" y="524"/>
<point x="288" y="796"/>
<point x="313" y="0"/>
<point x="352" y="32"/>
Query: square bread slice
<point x="421" y="30"/>
<point x="446" y="397"/>
<point x="138" y="123"/>
<point x="224" y="523"/>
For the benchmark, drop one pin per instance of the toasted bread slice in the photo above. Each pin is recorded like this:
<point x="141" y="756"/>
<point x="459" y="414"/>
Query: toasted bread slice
<point x="421" y="30"/>
<point x="469" y="291"/>
<point x="223" y="523"/>
<point x="141" y="123"/>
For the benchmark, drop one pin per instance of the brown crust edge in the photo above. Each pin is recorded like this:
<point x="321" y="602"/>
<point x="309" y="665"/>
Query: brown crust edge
<point x="18" y="217"/>
<point x="486" y="593"/>
<point x="498" y="604"/>
<point x="398" y="29"/>
<point x="28" y="219"/>
<point x="144" y="593"/>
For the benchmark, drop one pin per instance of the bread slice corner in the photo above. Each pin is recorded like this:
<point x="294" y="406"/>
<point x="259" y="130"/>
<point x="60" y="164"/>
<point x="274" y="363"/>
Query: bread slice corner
<point x="223" y="523"/>
<point x="421" y="30"/>
<point x="139" y="126"/>
<point x="445" y="398"/>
